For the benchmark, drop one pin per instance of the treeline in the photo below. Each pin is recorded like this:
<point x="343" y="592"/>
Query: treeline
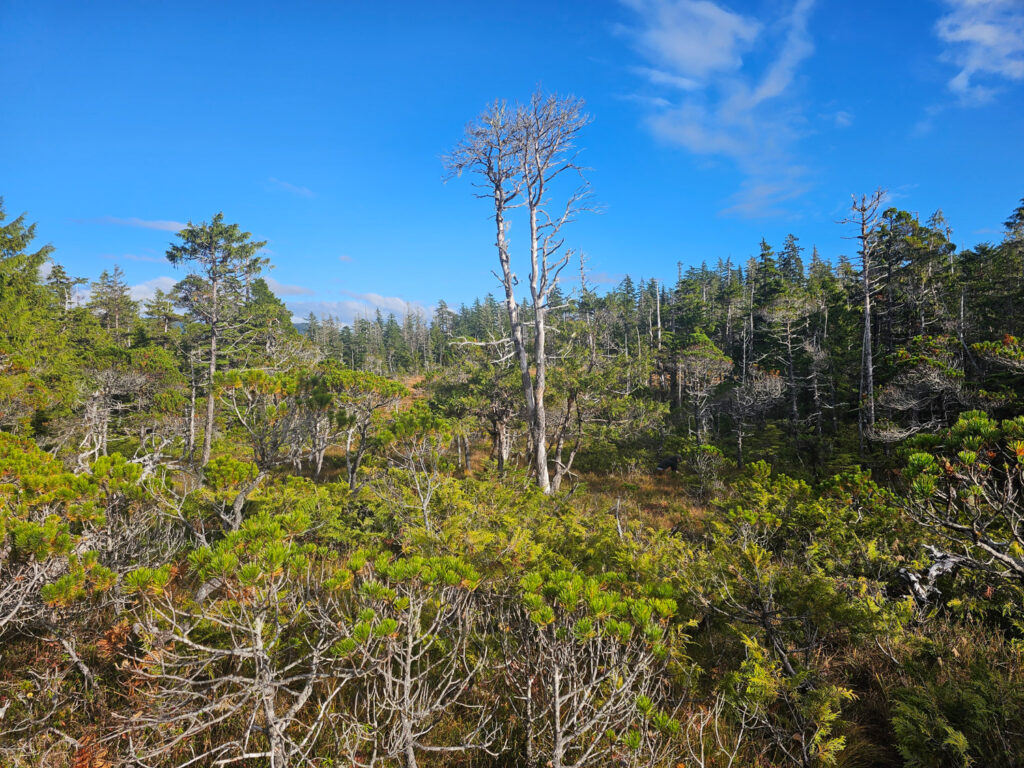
<point x="777" y="341"/>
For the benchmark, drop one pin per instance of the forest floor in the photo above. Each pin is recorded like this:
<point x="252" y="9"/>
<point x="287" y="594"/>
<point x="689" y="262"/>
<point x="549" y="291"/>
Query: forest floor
<point x="660" y="500"/>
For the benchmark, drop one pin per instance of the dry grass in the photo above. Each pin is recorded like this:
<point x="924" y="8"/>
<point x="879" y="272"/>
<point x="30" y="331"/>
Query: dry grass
<point x="657" y="499"/>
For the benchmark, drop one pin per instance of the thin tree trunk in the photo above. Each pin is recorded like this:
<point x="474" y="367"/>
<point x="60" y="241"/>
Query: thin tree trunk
<point x="531" y="756"/>
<point x="558" y="748"/>
<point x="540" y="417"/>
<point x="241" y="498"/>
<point x="515" y="321"/>
<point x="190" y="439"/>
<point x="794" y="413"/>
<point x="867" y="392"/>
<point x="540" y="447"/>
<point x="657" y="293"/>
<point x="864" y="216"/>
<point x="214" y="332"/>
<point x="409" y="741"/>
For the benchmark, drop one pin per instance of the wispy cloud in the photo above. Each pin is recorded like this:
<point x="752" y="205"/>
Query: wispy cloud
<point x="985" y="39"/>
<point x="294" y="189"/>
<point x="606" y="278"/>
<point x="843" y="119"/>
<point x="644" y="100"/>
<point x="394" y="304"/>
<point x="689" y="40"/>
<point x="926" y="124"/>
<point x="713" y="101"/>
<point x="146" y="290"/>
<point x="661" y="77"/>
<point x="282" y="289"/>
<point x="164" y="225"/>
<point x="359" y="305"/>
<point x="758" y="197"/>
<point x="345" y="258"/>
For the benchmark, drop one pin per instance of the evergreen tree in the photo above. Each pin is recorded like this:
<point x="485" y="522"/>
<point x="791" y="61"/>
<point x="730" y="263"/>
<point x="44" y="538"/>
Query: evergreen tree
<point x="791" y="265"/>
<point x="226" y="263"/>
<point x="111" y="302"/>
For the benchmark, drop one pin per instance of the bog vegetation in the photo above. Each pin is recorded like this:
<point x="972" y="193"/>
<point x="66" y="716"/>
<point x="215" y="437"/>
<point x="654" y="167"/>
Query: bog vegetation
<point x="226" y="539"/>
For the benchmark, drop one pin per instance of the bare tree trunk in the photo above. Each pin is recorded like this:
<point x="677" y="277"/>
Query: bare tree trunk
<point x="210" y="405"/>
<point x="318" y="459"/>
<point x="558" y="748"/>
<point x="816" y="398"/>
<point x="408" y="739"/>
<point x="502" y="445"/>
<point x="531" y="748"/>
<point x="540" y="416"/>
<point x="679" y="384"/>
<point x="519" y="153"/>
<point x="748" y="336"/>
<point x="241" y="498"/>
<point x="867" y="376"/>
<point x="865" y="216"/>
<point x="657" y="304"/>
<point x="794" y="413"/>
<point x="514" y="319"/>
<point x="190" y="438"/>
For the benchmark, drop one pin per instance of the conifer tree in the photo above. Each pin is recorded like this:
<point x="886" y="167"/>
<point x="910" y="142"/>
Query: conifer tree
<point x="226" y="261"/>
<point x="111" y="301"/>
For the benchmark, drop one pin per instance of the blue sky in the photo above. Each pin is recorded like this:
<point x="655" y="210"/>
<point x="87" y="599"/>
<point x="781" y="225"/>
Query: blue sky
<point x="320" y="127"/>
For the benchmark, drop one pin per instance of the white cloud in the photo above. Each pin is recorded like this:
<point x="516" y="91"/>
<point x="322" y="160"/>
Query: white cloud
<point x="394" y="304"/>
<point x="692" y="38"/>
<point x="294" y="189"/>
<point x="985" y="39"/>
<point x="281" y="289"/>
<point x="839" y="118"/>
<point x="780" y="73"/>
<point x="661" y="77"/>
<point x="698" y="129"/>
<point x="758" y="197"/>
<point x="359" y="305"/>
<point x="148" y="289"/>
<point x="652" y="102"/>
<point x="345" y="257"/>
<point x="719" y="102"/>
<point x="166" y="226"/>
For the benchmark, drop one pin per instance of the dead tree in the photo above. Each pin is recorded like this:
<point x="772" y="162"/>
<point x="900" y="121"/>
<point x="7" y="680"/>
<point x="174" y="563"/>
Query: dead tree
<point x="864" y="215"/>
<point x="787" y="319"/>
<point x="701" y="367"/>
<point x="521" y="152"/>
<point x="751" y="399"/>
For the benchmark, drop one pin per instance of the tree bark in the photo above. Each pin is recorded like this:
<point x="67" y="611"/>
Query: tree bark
<point x="210" y="405"/>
